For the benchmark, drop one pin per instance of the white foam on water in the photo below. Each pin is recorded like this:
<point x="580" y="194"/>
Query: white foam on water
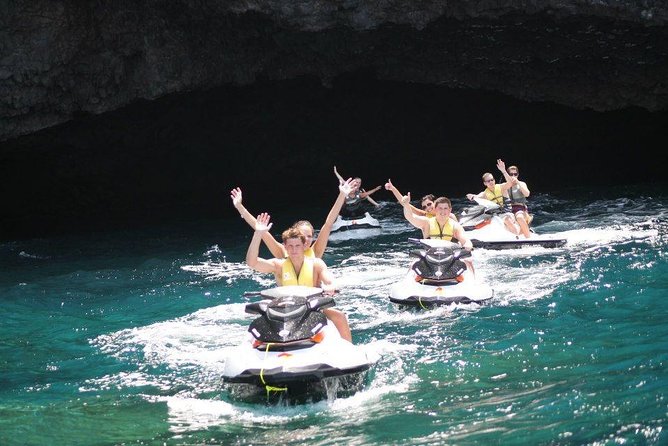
<point x="229" y="272"/>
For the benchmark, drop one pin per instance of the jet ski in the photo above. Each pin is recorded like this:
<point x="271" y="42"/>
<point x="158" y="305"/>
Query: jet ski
<point x="345" y="228"/>
<point x="293" y="349"/>
<point x="484" y="226"/>
<point x="439" y="276"/>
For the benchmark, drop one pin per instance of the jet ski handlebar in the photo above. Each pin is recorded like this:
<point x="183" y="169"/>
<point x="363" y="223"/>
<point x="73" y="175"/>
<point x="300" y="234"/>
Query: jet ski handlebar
<point x="427" y="244"/>
<point x="313" y="298"/>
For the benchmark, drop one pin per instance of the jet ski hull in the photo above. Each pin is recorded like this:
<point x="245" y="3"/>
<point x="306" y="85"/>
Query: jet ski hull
<point x="408" y="292"/>
<point x="519" y="243"/>
<point x="494" y="235"/>
<point x="297" y="370"/>
<point x="485" y="228"/>
<point x="366" y="226"/>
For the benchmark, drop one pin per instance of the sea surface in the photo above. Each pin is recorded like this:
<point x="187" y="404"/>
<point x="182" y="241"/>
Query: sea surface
<point x="120" y="337"/>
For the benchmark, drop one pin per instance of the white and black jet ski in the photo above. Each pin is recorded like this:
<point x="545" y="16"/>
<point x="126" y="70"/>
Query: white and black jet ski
<point x="352" y="228"/>
<point x="484" y="226"/>
<point x="294" y="350"/>
<point x="439" y="277"/>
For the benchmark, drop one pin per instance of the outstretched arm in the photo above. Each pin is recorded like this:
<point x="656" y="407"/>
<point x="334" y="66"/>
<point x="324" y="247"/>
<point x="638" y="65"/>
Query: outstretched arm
<point x="323" y="236"/>
<point x="275" y="248"/>
<point x="389" y="186"/>
<point x="336" y="172"/>
<point x="508" y="180"/>
<point x="416" y="220"/>
<point x="478" y="195"/>
<point x="502" y="167"/>
<point x="367" y="195"/>
<point x="253" y="259"/>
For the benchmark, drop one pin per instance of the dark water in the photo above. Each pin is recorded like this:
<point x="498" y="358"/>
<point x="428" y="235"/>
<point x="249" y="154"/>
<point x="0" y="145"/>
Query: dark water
<point x="119" y="337"/>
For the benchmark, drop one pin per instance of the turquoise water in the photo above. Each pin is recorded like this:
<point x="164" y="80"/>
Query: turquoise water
<point x="119" y="337"/>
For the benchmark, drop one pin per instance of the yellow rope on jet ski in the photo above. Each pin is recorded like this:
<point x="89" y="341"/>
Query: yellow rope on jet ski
<point x="420" y="302"/>
<point x="267" y="387"/>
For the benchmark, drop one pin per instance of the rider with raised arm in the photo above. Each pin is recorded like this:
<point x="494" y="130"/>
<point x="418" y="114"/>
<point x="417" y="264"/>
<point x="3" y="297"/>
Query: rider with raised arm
<point x="496" y="193"/>
<point x="353" y="202"/>
<point x="517" y="193"/>
<point x="296" y="268"/>
<point x="427" y="202"/>
<point x="441" y="226"/>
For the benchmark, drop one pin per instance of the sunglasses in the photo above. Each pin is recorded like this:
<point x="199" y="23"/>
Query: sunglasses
<point x="491" y="180"/>
<point x="427" y="205"/>
<point x="513" y="174"/>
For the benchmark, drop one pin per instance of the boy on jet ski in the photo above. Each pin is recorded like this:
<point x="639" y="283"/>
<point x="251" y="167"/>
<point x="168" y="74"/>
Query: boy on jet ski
<point x="296" y="268"/>
<point x="427" y="202"/>
<point x="441" y="226"/>
<point x="496" y="193"/>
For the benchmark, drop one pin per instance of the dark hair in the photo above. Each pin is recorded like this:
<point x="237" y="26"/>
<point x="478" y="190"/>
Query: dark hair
<point x="440" y="200"/>
<point x="427" y="197"/>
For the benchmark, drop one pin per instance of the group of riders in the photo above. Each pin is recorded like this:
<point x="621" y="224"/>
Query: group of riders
<point x="298" y="259"/>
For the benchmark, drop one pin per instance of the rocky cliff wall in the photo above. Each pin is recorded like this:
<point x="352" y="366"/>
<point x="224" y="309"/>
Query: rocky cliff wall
<point x="59" y="59"/>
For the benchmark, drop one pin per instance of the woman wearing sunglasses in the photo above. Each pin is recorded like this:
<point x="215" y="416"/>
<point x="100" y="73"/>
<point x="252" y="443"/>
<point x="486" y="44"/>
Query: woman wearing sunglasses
<point x="517" y="193"/>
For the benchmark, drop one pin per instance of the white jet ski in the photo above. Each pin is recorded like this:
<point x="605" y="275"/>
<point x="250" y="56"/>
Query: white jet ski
<point x="294" y="350"/>
<point x="439" y="277"/>
<point x="484" y="226"/>
<point x="354" y="228"/>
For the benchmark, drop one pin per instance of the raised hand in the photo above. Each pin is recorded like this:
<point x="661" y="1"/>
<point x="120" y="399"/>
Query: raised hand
<point x="346" y="187"/>
<point x="406" y="199"/>
<point x="235" y="195"/>
<point x="262" y="222"/>
<point x="501" y="165"/>
<point x="389" y="185"/>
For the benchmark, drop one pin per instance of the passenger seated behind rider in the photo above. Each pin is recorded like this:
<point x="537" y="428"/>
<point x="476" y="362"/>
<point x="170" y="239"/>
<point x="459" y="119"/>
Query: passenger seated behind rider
<point x="427" y="202"/>
<point x="353" y="206"/>
<point x="517" y="193"/>
<point x="316" y="248"/>
<point x="497" y="194"/>
<point x="296" y="268"/>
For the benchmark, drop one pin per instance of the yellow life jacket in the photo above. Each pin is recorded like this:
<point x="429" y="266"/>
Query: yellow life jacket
<point x="438" y="232"/>
<point x="289" y="276"/>
<point x="496" y="196"/>
<point x="429" y="215"/>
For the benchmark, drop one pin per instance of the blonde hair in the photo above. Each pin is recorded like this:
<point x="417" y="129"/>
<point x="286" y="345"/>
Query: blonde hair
<point x="304" y="223"/>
